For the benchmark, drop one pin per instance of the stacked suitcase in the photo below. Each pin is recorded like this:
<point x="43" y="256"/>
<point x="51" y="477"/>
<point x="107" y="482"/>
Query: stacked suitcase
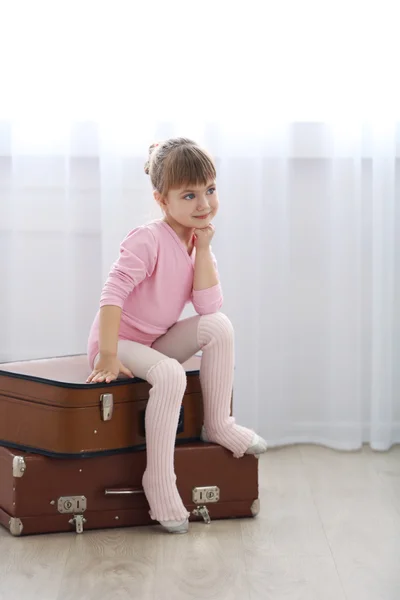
<point x="72" y="455"/>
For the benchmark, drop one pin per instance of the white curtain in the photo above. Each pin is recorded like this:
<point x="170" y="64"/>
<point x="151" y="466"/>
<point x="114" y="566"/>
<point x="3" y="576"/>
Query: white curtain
<point x="308" y="244"/>
<point x="307" y="237"/>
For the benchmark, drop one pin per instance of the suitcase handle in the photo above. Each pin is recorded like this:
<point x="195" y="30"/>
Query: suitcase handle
<point x="123" y="492"/>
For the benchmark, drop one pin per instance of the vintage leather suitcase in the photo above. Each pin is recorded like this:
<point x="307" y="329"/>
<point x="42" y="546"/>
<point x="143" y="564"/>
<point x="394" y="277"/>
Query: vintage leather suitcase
<point x="39" y="494"/>
<point x="46" y="407"/>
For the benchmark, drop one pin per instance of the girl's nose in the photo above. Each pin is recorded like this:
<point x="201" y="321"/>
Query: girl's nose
<point x="203" y="203"/>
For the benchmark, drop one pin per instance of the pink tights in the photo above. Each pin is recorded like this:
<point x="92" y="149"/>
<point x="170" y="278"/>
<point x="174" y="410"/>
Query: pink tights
<point x="161" y="366"/>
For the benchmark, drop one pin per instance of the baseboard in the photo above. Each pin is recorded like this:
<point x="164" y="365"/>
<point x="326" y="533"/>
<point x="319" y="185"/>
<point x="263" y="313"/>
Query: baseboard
<point x="339" y="436"/>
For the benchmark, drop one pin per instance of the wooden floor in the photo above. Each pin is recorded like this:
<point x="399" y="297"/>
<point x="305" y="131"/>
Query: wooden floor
<point x="329" y="529"/>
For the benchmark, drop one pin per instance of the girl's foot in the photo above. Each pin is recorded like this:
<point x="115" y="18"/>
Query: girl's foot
<point x="258" y="444"/>
<point x="176" y="526"/>
<point x="165" y="503"/>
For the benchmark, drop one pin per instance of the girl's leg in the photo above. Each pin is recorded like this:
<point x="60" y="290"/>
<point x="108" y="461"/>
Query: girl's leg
<point x="213" y="334"/>
<point x="168" y="380"/>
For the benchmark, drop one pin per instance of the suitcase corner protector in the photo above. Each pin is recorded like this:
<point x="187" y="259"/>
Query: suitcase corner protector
<point x="255" y="507"/>
<point x="15" y="526"/>
<point x="19" y="466"/>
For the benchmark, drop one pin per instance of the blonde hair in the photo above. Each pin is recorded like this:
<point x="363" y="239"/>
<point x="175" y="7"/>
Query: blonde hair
<point x="178" y="162"/>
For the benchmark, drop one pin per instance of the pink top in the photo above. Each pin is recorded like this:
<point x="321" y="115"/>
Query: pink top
<point x="151" y="282"/>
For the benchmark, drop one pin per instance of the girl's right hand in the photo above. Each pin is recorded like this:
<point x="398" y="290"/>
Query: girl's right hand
<point x="107" y="368"/>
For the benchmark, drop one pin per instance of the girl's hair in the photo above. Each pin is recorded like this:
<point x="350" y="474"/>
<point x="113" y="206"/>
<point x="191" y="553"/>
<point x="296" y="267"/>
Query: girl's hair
<point x="178" y="162"/>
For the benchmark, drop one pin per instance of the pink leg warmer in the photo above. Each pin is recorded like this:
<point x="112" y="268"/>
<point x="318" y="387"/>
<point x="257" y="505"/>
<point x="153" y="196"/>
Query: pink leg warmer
<point x="168" y="379"/>
<point x="216" y="338"/>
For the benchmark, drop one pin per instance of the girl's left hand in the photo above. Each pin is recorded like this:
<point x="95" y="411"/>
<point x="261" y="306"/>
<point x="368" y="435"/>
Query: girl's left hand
<point x="203" y="237"/>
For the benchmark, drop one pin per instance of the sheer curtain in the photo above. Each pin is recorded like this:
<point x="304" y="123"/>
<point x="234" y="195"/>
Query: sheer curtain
<point x="308" y="232"/>
<point x="308" y="246"/>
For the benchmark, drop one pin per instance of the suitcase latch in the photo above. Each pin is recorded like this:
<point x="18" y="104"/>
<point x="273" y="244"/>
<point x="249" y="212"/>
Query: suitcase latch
<point x="75" y="505"/>
<point x="107" y="406"/>
<point x="72" y="504"/>
<point x="78" y="521"/>
<point x="202" y="511"/>
<point x="205" y="495"/>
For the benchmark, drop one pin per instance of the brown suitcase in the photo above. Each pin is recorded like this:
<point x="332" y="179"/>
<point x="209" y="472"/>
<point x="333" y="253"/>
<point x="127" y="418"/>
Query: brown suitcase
<point x="39" y="494"/>
<point x="46" y="407"/>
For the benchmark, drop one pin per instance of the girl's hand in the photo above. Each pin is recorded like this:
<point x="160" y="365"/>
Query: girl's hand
<point x="107" y="368"/>
<point x="203" y="237"/>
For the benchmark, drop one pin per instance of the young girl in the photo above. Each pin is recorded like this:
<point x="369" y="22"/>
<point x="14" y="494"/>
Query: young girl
<point x="162" y="266"/>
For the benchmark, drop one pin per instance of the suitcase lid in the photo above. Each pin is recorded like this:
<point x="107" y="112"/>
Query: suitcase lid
<point x="68" y="370"/>
<point x="61" y="380"/>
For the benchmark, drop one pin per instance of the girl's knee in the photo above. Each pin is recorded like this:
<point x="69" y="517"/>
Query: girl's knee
<point x="219" y="326"/>
<point x="168" y="372"/>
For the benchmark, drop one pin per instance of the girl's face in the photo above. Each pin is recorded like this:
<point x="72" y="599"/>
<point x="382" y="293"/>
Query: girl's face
<point x="193" y="207"/>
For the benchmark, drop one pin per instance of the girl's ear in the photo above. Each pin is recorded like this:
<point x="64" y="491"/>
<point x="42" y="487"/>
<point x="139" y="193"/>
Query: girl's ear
<point x="161" y="200"/>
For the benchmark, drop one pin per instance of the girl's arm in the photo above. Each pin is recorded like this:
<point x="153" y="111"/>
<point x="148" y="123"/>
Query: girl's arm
<point x="108" y="366"/>
<point x="110" y="317"/>
<point x="205" y="274"/>
<point x="207" y="294"/>
<point x="138" y="254"/>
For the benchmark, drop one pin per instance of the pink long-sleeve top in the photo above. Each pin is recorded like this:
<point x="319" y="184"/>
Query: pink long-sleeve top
<point x="151" y="282"/>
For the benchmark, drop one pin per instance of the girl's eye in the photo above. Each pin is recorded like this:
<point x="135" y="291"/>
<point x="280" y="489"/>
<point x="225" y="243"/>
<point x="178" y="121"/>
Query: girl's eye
<point x="211" y="191"/>
<point x="189" y="197"/>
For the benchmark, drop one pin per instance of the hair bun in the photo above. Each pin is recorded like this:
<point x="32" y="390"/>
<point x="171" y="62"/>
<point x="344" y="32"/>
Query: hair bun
<point x="147" y="163"/>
